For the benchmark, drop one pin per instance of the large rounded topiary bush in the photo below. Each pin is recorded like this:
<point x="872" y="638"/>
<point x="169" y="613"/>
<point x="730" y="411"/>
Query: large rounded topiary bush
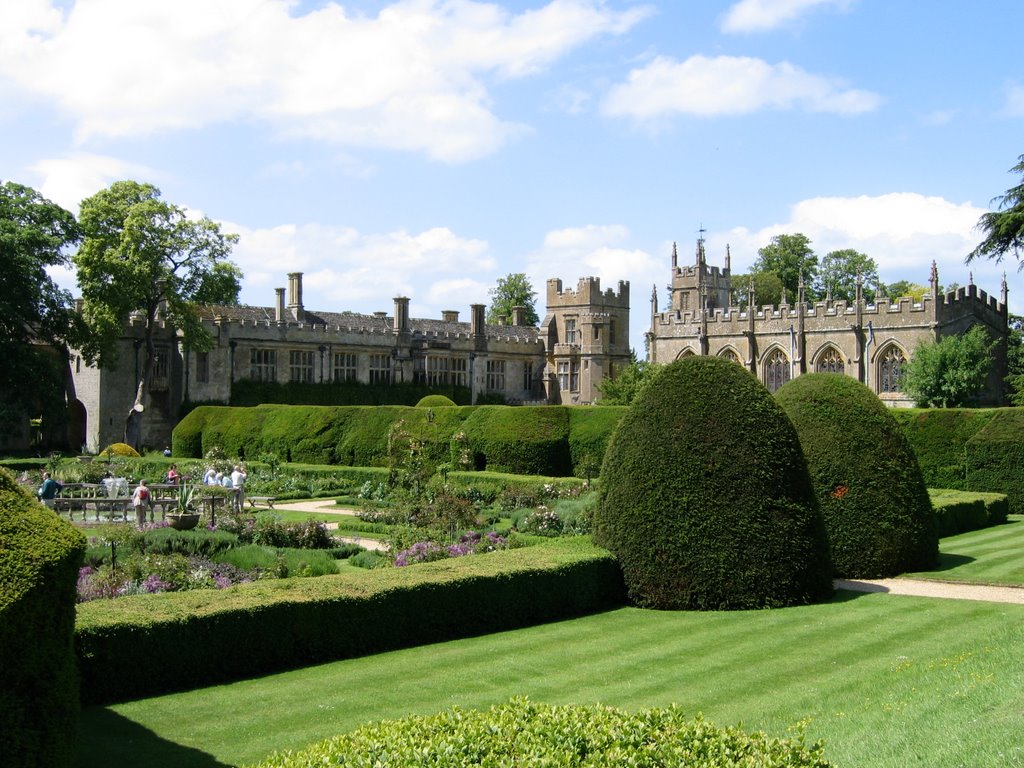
<point x="39" y="559"/>
<point x="435" y="401"/>
<point x="872" y="495"/>
<point x="705" y="497"/>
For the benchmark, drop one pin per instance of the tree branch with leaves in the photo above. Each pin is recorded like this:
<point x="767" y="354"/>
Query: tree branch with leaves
<point x="140" y="253"/>
<point x="1004" y="227"/>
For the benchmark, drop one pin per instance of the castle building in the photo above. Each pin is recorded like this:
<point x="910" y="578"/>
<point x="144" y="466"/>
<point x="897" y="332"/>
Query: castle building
<point x="870" y="341"/>
<point x="584" y="337"/>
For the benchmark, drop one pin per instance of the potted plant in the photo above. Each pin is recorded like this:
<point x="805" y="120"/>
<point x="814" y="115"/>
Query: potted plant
<point x="183" y="515"/>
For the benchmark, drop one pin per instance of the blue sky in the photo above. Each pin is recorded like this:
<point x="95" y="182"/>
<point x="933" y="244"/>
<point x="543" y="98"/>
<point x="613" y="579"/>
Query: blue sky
<point x="426" y="147"/>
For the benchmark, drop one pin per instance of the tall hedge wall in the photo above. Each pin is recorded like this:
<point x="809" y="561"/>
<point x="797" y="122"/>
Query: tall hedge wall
<point x="288" y="623"/>
<point x="39" y="559"/>
<point x="247" y="392"/>
<point x="549" y="440"/>
<point x="969" y="449"/>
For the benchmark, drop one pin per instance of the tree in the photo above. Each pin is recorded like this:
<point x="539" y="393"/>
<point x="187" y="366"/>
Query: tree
<point x="767" y="289"/>
<point x="627" y="384"/>
<point x="790" y="257"/>
<point x="37" y="319"/>
<point x="1004" y="227"/>
<point x="140" y="253"/>
<point x="1015" y="359"/>
<point x="902" y="288"/>
<point x="840" y="271"/>
<point x="948" y="373"/>
<point x="513" y="290"/>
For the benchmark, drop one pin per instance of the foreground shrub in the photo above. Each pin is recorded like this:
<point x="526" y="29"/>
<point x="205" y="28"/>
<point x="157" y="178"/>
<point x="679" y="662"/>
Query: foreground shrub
<point x="435" y="401"/>
<point x="705" y="497"/>
<point x="523" y="733"/>
<point x="872" y="496"/>
<point x="280" y="562"/>
<point x="120" y="449"/>
<point x="39" y="559"/>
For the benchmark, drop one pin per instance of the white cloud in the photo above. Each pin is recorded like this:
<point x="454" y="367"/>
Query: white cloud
<point x="70" y="179"/>
<point x="729" y="85"/>
<point x="411" y="78"/>
<point x="347" y="270"/>
<point x="902" y="231"/>
<point x="764" y="15"/>
<point x="1014" y="105"/>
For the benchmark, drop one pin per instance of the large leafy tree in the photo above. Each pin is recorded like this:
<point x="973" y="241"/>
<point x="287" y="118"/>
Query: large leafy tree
<point x="791" y="258"/>
<point x="139" y="253"/>
<point x="1004" y="227"/>
<point x="767" y="289"/>
<point x="37" y="318"/>
<point x="513" y="290"/>
<point x="840" y="270"/>
<point x="948" y="373"/>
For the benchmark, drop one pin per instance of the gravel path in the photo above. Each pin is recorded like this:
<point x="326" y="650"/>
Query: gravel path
<point x="945" y="589"/>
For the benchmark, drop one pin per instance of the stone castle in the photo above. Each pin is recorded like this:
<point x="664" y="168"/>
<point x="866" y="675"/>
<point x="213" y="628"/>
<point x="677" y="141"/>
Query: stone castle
<point x="868" y="341"/>
<point x="583" y="338"/>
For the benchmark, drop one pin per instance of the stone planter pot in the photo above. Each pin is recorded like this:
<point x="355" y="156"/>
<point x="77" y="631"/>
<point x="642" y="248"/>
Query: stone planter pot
<point x="183" y="521"/>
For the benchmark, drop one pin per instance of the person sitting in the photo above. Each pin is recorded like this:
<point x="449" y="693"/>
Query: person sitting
<point x="48" y="490"/>
<point x="225" y="480"/>
<point x="173" y="477"/>
<point x="210" y="478"/>
<point x="167" y="452"/>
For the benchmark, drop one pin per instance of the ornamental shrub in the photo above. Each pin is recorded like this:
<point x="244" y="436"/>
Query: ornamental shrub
<point x="522" y="732"/>
<point x="872" y="495"/>
<point x="120" y="449"/>
<point x="705" y="497"/>
<point x="39" y="559"/>
<point x="435" y="401"/>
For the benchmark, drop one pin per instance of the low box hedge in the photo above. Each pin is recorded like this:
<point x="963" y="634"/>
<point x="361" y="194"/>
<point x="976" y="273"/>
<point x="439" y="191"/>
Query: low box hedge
<point x="963" y="511"/>
<point x="151" y="644"/>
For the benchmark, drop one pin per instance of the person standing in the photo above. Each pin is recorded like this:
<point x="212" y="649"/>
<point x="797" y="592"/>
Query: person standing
<point x="141" y="500"/>
<point x="238" y="478"/>
<point x="173" y="476"/>
<point x="48" y="490"/>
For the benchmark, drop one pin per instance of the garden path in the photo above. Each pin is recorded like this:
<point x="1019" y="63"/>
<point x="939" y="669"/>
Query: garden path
<point x="327" y="506"/>
<point x="922" y="588"/>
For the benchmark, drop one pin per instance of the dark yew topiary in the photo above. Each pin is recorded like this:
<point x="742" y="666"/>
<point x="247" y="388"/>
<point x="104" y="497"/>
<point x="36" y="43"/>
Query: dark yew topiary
<point x="872" y="495"/>
<point x="39" y="559"/>
<point x="705" y="497"/>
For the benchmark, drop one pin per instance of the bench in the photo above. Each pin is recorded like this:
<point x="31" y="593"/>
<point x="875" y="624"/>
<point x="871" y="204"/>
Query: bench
<point x="267" y="501"/>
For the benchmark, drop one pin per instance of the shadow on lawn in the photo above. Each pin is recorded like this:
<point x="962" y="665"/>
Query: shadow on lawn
<point x="105" y="739"/>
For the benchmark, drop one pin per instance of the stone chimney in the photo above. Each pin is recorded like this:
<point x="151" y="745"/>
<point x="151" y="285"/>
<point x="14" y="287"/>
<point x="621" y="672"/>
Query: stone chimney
<point x="476" y="325"/>
<point x="401" y="315"/>
<point x="295" y="295"/>
<point x="518" y="315"/>
<point x="450" y="315"/>
<point x="279" y="305"/>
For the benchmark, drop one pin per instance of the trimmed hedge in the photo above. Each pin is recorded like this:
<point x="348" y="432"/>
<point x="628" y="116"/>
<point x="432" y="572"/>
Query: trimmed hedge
<point x="541" y="440"/>
<point x="872" y="496"/>
<point x="528" y="440"/>
<point x="522" y="733"/>
<point x="435" y="401"/>
<point x="290" y="623"/>
<point x="705" y="497"/>
<point x="39" y="559"/>
<point x="969" y="449"/>
<point x="963" y="511"/>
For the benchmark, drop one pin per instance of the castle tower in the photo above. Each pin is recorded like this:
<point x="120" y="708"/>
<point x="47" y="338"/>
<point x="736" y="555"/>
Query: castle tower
<point x="588" y="338"/>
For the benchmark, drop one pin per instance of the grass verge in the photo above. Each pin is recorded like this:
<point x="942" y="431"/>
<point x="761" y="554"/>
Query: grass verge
<point x="987" y="556"/>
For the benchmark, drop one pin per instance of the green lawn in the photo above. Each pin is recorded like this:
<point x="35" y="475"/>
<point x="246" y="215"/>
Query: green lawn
<point x="989" y="556"/>
<point x="886" y="681"/>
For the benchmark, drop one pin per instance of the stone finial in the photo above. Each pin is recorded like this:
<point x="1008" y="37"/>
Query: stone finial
<point x="970" y="277"/>
<point x="675" y="255"/>
<point x="934" y="278"/>
<point x="1004" y="290"/>
<point x="728" y="257"/>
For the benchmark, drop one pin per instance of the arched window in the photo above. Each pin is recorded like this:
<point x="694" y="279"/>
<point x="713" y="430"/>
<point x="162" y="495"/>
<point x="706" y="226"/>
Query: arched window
<point x="729" y="354"/>
<point x="686" y="353"/>
<point x="776" y="370"/>
<point x="830" y="360"/>
<point x="890" y="369"/>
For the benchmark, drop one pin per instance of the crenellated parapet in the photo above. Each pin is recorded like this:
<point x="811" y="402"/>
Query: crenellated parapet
<point x="588" y="292"/>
